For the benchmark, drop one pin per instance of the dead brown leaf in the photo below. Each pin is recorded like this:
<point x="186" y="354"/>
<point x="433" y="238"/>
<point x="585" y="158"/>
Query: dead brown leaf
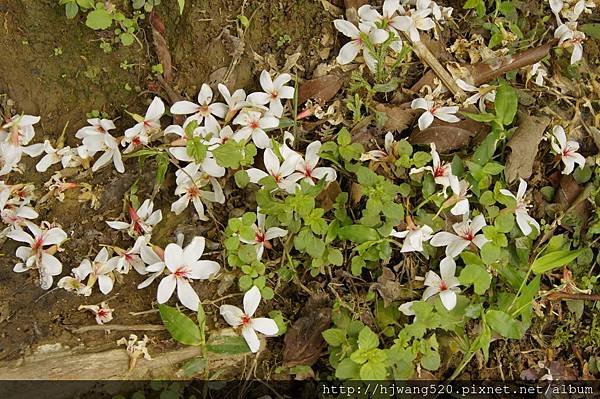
<point x="321" y="89"/>
<point x="390" y="289"/>
<point x="326" y="199"/>
<point x="568" y="194"/>
<point x="303" y="341"/>
<point x="447" y="136"/>
<point x="161" y="46"/>
<point x="524" y="147"/>
<point x="397" y="118"/>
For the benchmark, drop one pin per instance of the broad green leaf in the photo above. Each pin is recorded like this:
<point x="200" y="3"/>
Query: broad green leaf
<point x="358" y="233"/>
<point x="592" y="30"/>
<point x="181" y="327"/>
<point x="347" y="369"/>
<point x="503" y="324"/>
<point x="334" y="336"/>
<point x="99" y="19"/>
<point x="478" y="276"/>
<point x="484" y="117"/>
<point x="490" y="253"/>
<point x="506" y="103"/>
<point x="373" y="371"/>
<point x="71" y="10"/>
<point x="431" y="361"/>
<point x="553" y="260"/>
<point x="367" y="339"/>
<point x="227" y="344"/>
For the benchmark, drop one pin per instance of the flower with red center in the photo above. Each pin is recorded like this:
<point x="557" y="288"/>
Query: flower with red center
<point x="184" y="264"/>
<point x="274" y="92"/>
<point x="350" y="50"/>
<point x="35" y="256"/>
<point x="524" y="221"/>
<point x="262" y="237"/>
<point x="142" y="222"/>
<point x="253" y="125"/>
<point x="465" y="235"/>
<point x="307" y="170"/>
<point x="414" y="237"/>
<point x="432" y="110"/>
<point x="441" y="171"/>
<point x="445" y="286"/>
<point x="237" y="317"/>
<point x="204" y="110"/>
<point x="281" y="172"/>
<point x="566" y="150"/>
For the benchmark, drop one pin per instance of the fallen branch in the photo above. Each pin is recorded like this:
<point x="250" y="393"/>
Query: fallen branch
<point x="558" y="296"/>
<point x="118" y="327"/>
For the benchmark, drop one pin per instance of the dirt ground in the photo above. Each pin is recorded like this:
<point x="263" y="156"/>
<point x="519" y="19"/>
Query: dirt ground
<point x="53" y="67"/>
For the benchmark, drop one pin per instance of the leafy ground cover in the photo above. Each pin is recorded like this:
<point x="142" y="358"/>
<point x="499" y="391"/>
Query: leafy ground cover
<point x="396" y="190"/>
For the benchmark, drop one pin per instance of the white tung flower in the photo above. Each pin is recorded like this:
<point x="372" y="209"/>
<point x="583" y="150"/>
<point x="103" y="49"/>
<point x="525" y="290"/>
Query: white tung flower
<point x="35" y="256"/>
<point x="105" y="143"/>
<point x="253" y="125"/>
<point x="538" y="71"/>
<point x="466" y="234"/>
<point x="358" y="36"/>
<point x="262" y="236"/>
<point x="66" y="156"/>
<point x="102" y="313"/>
<point x="184" y="264"/>
<point x="154" y="258"/>
<point x="203" y="110"/>
<point x="139" y="135"/>
<point x="432" y="110"/>
<point x="568" y="36"/>
<point x="524" y="221"/>
<point x="237" y="317"/>
<point x="387" y="19"/>
<point x="460" y="199"/>
<point x="281" y="172"/>
<point x="445" y="286"/>
<point x="378" y="155"/>
<point x="96" y="126"/>
<point x="101" y="270"/>
<point x="190" y="181"/>
<point x="14" y="137"/>
<point x="414" y="237"/>
<point x="274" y="92"/>
<point x="441" y="171"/>
<point x="566" y="150"/>
<point x="482" y="94"/>
<point x="415" y="20"/>
<point x="235" y="102"/>
<point x="142" y="222"/>
<point x="307" y="170"/>
<point x="128" y="259"/>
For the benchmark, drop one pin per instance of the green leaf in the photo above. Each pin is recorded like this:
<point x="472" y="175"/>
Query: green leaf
<point x="367" y="339"/>
<point x="181" y="327"/>
<point x="181" y="4"/>
<point x="99" y="19"/>
<point x="126" y="38"/>
<point x="71" y="10"/>
<point x="227" y="344"/>
<point x="553" y="260"/>
<point x="431" y="361"/>
<point x="201" y="316"/>
<point x="490" y="253"/>
<point x="505" y="222"/>
<point x="358" y="233"/>
<point x="503" y="324"/>
<point x="241" y="178"/>
<point x="493" y="168"/>
<point x="484" y="117"/>
<point x="592" y="30"/>
<point x="334" y="336"/>
<point x="476" y="275"/>
<point x="347" y="369"/>
<point x="506" y="103"/>
<point x="373" y="371"/>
